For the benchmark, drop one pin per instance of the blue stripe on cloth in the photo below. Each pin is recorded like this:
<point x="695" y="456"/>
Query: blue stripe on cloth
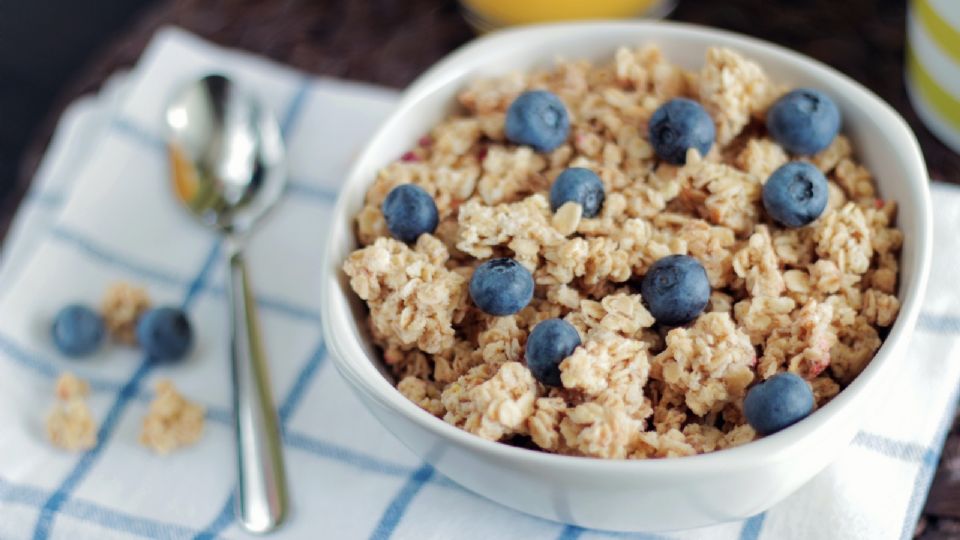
<point x="297" y="312"/>
<point x="98" y="252"/>
<point x="219" y="414"/>
<point x="222" y="521"/>
<point x="570" y="532"/>
<point x="752" y="527"/>
<point x="137" y="133"/>
<point x="94" y="513"/>
<point x="122" y="521"/>
<point x="59" y="497"/>
<point x="917" y="496"/>
<point x="292" y="115"/>
<point x="50" y="200"/>
<point x="198" y="283"/>
<point x="442" y="481"/>
<point x="398" y="506"/>
<point x="213" y="413"/>
<point x="924" y="476"/>
<point x="616" y="534"/>
<point x="628" y="535"/>
<point x="129" y="391"/>
<point x="295" y="187"/>
<point x="343" y="454"/>
<point x="47" y="368"/>
<point x="301" y="188"/>
<point x="902" y="450"/>
<point x="104" y="255"/>
<point x="939" y="324"/>
<point x="19" y="494"/>
<point x="287" y="123"/>
<point x="283" y="307"/>
<point x="320" y="448"/>
<point x="573" y="531"/>
<point x="300" y="384"/>
<point x="22" y="357"/>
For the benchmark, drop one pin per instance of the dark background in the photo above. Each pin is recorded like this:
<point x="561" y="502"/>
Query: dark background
<point x="43" y="45"/>
<point x="54" y="51"/>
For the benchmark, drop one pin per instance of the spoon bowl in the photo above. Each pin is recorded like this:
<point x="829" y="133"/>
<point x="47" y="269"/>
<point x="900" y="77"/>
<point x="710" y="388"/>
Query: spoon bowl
<point x="227" y="154"/>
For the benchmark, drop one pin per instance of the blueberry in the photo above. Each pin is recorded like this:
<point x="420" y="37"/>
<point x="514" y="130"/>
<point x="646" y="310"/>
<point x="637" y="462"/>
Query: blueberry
<point x="501" y="287"/>
<point x="77" y="330"/>
<point x="778" y="402"/>
<point x="537" y="118"/>
<point x="804" y="121"/>
<point x="581" y="186"/>
<point x="677" y="126"/>
<point x="795" y="194"/>
<point x="549" y="343"/>
<point x="164" y="333"/>
<point x="676" y="289"/>
<point x="409" y="212"/>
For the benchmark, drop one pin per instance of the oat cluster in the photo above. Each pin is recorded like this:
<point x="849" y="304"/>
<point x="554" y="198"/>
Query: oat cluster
<point x="70" y="425"/>
<point x="172" y="421"/>
<point x="122" y="305"/>
<point x="814" y="301"/>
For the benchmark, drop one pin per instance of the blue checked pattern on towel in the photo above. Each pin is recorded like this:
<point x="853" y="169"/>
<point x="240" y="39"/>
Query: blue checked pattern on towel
<point x="100" y="212"/>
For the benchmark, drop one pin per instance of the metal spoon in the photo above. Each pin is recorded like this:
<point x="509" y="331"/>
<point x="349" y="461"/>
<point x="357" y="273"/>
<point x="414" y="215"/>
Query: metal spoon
<point x="227" y="161"/>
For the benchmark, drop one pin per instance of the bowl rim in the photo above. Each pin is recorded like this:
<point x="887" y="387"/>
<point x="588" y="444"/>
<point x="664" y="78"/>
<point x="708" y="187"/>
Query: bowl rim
<point x="363" y="375"/>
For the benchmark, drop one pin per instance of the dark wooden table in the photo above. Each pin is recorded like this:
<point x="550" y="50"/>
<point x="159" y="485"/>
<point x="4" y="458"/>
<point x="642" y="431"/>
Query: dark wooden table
<point x="390" y="42"/>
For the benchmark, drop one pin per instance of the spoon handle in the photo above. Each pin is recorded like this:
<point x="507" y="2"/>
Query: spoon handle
<point x="261" y="486"/>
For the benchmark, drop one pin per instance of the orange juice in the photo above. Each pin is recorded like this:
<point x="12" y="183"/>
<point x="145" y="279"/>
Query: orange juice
<point x="492" y="13"/>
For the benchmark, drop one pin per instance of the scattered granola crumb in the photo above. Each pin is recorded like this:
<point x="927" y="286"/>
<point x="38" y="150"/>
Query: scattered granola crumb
<point x="70" y="425"/>
<point x="122" y="305"/>
<point x="69" y="386"/>
<point x="172" y="421"/>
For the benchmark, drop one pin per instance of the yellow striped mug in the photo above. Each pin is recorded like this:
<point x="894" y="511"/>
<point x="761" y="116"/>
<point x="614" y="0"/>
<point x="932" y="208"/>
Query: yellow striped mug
<point x="933" y="66"/>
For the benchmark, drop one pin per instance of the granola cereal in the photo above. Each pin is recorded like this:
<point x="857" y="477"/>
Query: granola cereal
<point x="412" y="296"/>
<point x="70" y="425"/>
<point x="813" y="300"/>
<point x="172" y="421"/>
<point x="122" y="305"/>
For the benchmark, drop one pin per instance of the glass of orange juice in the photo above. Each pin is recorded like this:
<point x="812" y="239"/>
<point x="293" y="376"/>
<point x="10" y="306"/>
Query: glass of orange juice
<point x="487" y="15"/>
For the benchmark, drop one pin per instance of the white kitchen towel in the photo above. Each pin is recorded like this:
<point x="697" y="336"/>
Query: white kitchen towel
<point x="101" y="212"/>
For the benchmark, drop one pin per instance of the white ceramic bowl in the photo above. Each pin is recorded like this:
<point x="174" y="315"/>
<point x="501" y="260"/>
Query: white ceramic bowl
<point x="651" y="495"/>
